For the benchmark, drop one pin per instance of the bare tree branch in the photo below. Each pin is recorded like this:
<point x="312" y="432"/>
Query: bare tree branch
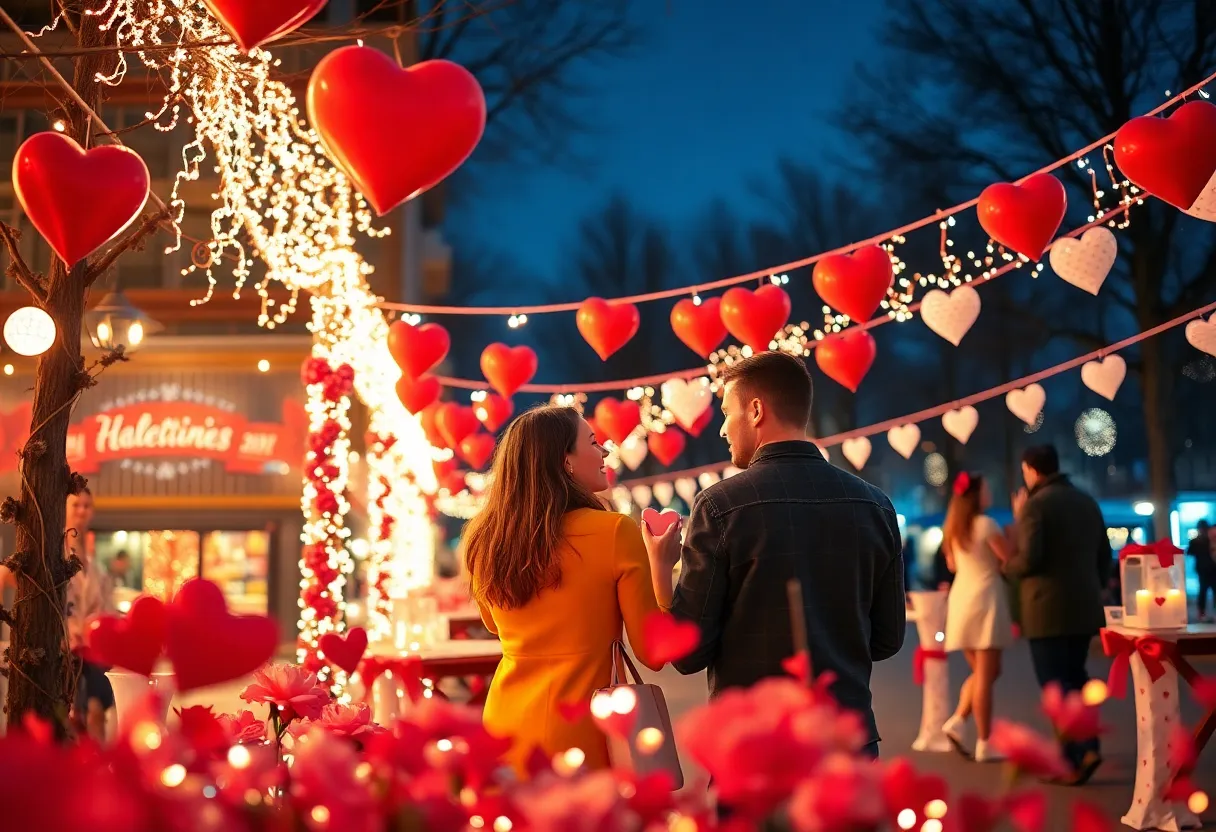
<point x="133" y="241"/>
<point x="19" y="269"/>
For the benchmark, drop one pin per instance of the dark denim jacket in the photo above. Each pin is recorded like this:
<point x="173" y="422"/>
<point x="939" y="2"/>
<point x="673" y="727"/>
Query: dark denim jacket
<point x="792" y="514"/>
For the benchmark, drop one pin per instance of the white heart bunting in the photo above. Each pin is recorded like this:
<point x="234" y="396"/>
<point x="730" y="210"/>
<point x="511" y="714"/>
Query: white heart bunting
<point x="641" y="495"/>
<point x="856" y="451"/>
<point x="729" y="471"/>
<point x="686" y="487"/>
<point x="1085" y="262"/>
<point x="1026" y="403"/>
<point x="904" y="439"/>
<point x="632" y="452"/>
<point x="1105" y="375"/>
<point x="1205" y="206"/>
<point x="687" y="400"/>
<point x="707" y="479"/>
<point x="951" y="315"/>
<point x="1202" y="335"/>
<point x="622" y="499"/>
<point x="663" y="492"/>
<point x="961" y="423"/>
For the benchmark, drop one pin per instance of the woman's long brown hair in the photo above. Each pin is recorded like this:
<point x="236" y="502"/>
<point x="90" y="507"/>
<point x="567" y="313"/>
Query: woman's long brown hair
<point x="961" y="513"/>
<point x="512" y="547"/>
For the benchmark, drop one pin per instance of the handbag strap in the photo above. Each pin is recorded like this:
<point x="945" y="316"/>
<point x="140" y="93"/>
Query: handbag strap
<point x="621" y="663"/>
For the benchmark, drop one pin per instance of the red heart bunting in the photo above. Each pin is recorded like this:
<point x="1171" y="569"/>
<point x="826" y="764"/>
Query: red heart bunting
<point x="1023" y="217"/>
<point x="617" y="419"/>
<point x="417" y="350"/>
<point x="207" y="644"/>
<point x="257" y="23"/>
<point x="1171" y="158"/>
<point x="476" y="449"/>
<point x="699" y="326"/>
<point x="493" y="411"/>
<point x="666" y="446"/>
<point x="607" y="327"/>
<point x="418" y="394"/>
<point x="508" y="368"/>
<point x="854" y="284"/>
<point x="455" y="423"/>
<point x="846" y="358"/>
<point x="755" y="318"/>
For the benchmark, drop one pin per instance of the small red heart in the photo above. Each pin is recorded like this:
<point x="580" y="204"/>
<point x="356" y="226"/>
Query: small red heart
<point x="455" y="422"/>
<point x="660" y="521"/>
<point x="453" y="481"/>
<point x="207" y="644"/>
<point x="1165" y="694"/>
<point x="418" y="393"/>
<point x="508" y="368"/>
<point x="702" y="422"/>
<point x="1023" y="217"/>
<point x="1172" y="158"/>
<point x="253" y="24"/>
<point x="78" y="200"/>
<point x="617" y="419"/>
<point x="666" y="446"/>
<point x="667" y="638"/>
<point x="476" y="449"/>
<point x="755" y="318"/>
<point x="396" y="132"/>
<point x="344" y="651"/>
<point x="493" y="411"/>
<point x="428" y="421"/>
<point x="699" y="326"/>
<point x="1160" y="601"/>
<point x="847" y="357"/>
<point x="134" y="642"/>
<point x="417" y="350"/>
<point x="798" y="666"/>
<point x="607" y="326"/>
<point x="856" y="283"/>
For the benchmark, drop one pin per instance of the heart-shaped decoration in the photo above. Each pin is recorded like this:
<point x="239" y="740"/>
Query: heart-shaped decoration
<point x="904" y="439"/>
<point x="641" y="495"/>
<point x="455" y="422"/>
<point x="951" y="315"/>
<point x="755" y="318"/>
<point x="1205" y="206"/>
<point x="617" y="418"/>
<point x="208" y="645"/>
<point x="344" y="650"/>
<point x="856" y="451"/>
<point x="854" y="284"/>
<point x="1160" y="600"/>
<point x="454" y="481"/>
<point x="78" y="201"/>
<point x="660" y="521"/>
<point x="395" y="132"/>
<point x="418" y="394"/>
<point x="667" y="445"/>
<point x="961" y="423"/>
<point x="1202" y="335"/>
<point x="699" y="325"/>
<point x="476" y="449"/>
<point x="428" y="421"/>
<point x="1023" y="217"/>
<point x="133" y="642"/>
<point x="687" y="400"/>
<point x="632" y="452"/>
<point x="1172" y="158"/>
<point x="847" y="357"/>
<point x="1104" y="376"/>
<point x="667" y="638"/>
<point x="493" y="411"/>
<point x="1086" y="261"/>
<point x="1026" y="403"/>
<point x="1027" y="811"/>
<point x="254" y="24"/>
<point x="707" y="479"/>
<point x="729" y="471"/>
<point x="417" y="349"/>
<point x="508" y="368"/>
<point x="686" y="487"/>
<point x="664" y="492"/>
<point x="702" y="422"/>
<point x="607" y="326"/>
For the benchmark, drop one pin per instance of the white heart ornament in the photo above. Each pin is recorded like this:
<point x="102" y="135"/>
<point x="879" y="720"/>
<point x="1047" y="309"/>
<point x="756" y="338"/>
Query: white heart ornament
<point x="632" y="452"/>
<point x="707" y="479"/>
<point x="686" y="487"/>
<point x="1026" y="403"/>
<point x="621" y="499"/>
<point x="856" y="451"/>
<point x="1205" y="206"/>
<point x="904" y="439"/>
<point x="663" y="492"/>
<point x="729" y="471"/>
<point x="951" y="315"/>
<point x="1104" y="376"/>
<point x="641" y="495"/>
<point x="1202" y="335"/>
<point x="961" y="423"/>
<point x="1086" y="261"/>
<point x="687" y="400"/>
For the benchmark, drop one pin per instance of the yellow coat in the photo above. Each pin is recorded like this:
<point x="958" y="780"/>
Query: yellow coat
<point x="557" y="649"/>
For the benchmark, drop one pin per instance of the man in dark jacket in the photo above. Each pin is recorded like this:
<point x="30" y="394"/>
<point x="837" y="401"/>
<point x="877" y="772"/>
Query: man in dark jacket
<point x="789" y="515"/>
<point x="1200" y="548"/>
<point x="1062" y="559"/>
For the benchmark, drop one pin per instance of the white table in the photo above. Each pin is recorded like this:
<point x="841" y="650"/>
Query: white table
<point x="443" y="660"/>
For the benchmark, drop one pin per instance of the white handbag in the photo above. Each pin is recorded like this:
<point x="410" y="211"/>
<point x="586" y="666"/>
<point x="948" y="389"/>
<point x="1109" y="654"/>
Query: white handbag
<point x="658" y="751"/>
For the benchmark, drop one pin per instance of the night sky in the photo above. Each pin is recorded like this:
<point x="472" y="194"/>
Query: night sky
<point x="713" y="96"/>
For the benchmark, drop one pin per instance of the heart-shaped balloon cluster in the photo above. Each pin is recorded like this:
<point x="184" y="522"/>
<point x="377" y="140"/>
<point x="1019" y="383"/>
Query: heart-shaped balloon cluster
<point x="607" y="326"/>
<point x="418" y="350"/>
<point x="854" y="284"/>
<point x="508" y="368"/>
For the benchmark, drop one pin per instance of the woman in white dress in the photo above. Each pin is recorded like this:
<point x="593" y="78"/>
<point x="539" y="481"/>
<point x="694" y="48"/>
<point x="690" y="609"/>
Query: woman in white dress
<point x="977" y="615"/>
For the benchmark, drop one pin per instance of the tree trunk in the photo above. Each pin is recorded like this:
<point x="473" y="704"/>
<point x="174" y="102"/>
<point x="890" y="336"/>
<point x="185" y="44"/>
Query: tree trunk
<point x="41" y="680"/>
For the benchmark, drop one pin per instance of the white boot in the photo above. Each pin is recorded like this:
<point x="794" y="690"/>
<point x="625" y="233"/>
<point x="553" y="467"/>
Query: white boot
<point x="955" y="730"/>
<point x="985" y="754"/>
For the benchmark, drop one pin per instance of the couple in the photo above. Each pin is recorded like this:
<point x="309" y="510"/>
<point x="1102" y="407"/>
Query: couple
<point x="556" y="575"/>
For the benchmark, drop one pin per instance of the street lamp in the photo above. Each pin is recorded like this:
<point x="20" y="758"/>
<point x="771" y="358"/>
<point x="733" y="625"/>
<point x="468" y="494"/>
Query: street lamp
<point x="116" y="323"/>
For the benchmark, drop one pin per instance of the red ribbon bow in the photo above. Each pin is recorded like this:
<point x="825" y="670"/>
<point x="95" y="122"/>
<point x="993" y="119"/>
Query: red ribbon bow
<point x="1154" y="652"/>
<point x="918" y="662"/>
<point x="408" y="668"/>
<point x="1164" y="549"/>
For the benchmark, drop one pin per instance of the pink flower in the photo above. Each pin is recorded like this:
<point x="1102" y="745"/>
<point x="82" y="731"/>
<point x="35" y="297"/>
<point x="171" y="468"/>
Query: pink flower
<point x="844" y="794"/>
<point x="592" y="803"/>
<point x="1069" y="715"/>
<point x="203" y="729"/>
<point x="292" y="690"/>
<point x="1030" y="752"/>
<point x="243" y="727"/>
<point x="338" y="720"/>
<point x="324" y="775"/>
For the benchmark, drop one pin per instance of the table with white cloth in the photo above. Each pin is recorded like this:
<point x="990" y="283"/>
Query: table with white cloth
<point x="390" y="669"/>
<point x="1156" y="659"/>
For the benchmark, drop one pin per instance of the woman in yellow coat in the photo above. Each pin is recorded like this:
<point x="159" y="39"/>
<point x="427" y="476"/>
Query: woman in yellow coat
<point x="555" y="576"/>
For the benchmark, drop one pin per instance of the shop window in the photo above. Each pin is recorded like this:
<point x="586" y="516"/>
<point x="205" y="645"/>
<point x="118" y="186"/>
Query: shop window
<point x="239" y="562"/>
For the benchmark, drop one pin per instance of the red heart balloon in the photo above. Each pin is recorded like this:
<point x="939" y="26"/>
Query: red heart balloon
<point x="253" y="24"/>
<point x="607" y="326"/>
<point x="78" y="201"/>
<point x="207" y="644"/>
<point x="600" y="436"/>
<point x="395" y="132"/>
<point x="1171" y="158"/>
<point x="508" y="368"/>
<point x="418" y="394"/>
<point x="702" y="422"/>
<point x="444" y="467"/>
<point x="494" y="411"/>
<point x="846" y="358"/>
<point x="666" y="446"/>
<point x="133" y="642"/>
<point x="455" y="422"/>
<point x="754" y="318"/>
<point x="453" y="481"/>
<point x="660" y="521"/>
<point x="854" y="284"/>
<point x="417" y="349"/>
<point x="344" y="651"/>
<point x="476" y="449"/>
<point x="699" y="326"/>
<point x="617" y="419"/>
<point x="1023" y="217"/>
<point x="427" y="420"/>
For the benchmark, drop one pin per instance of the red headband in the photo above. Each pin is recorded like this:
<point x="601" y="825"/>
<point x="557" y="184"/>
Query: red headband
<point x="961" y="483"/>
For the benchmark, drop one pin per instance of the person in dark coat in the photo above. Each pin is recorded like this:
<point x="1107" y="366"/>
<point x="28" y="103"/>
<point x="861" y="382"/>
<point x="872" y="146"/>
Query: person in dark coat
<point x="1200" y="548"/>
<point x="1062" y="561"/>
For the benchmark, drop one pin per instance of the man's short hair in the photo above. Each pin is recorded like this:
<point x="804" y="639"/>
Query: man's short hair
<point x="779" y="380"/>
<point x="1043" y="459"/>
